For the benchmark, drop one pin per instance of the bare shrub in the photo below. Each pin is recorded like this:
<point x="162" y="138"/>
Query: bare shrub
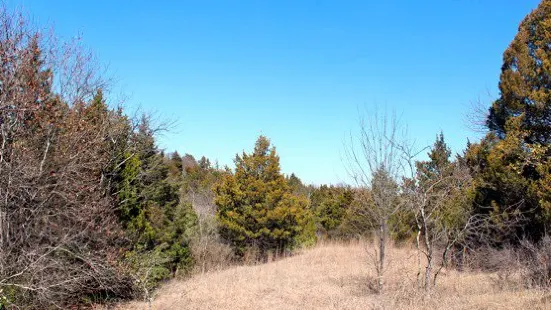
<point x="502" y="266"/>
<point x="489" y="259"/>
<point x="208" y="250"/>
<point x="536" y="258"/>
<point x="59" y="237"/>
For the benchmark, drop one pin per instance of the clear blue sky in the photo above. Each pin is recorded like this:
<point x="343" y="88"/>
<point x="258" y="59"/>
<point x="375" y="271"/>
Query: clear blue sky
<point x="296" y="71"/>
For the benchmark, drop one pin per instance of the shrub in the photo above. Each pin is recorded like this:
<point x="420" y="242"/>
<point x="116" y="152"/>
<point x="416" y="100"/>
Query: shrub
<point x="536" y="260"/>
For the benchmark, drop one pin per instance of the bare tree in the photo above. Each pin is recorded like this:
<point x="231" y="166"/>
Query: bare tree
<point x="437" y="194"/>
<point x="375" y="163"/>
<point x="442" y="214"/>
<point x="476" y="117"/>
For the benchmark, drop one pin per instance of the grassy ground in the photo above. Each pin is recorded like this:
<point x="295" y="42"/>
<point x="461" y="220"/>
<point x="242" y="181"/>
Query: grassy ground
<point x="337" y="276"/>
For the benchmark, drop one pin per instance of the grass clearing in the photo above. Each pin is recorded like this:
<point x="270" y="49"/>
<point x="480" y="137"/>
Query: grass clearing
<point x="339" y="276"/>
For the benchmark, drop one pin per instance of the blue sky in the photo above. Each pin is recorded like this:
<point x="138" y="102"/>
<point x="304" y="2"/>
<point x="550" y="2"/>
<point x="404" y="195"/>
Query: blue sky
<point x="295" y="71"/>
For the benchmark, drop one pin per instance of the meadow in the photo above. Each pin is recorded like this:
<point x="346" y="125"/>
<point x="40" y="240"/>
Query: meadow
<point x="340" y="276"/>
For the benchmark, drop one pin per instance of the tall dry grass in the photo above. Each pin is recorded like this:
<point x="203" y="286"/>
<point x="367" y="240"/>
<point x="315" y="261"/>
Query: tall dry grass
<point x="339" y="276"/>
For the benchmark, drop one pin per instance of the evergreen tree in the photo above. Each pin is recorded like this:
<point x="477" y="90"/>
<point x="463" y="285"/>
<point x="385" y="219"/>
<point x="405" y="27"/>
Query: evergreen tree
<point x="256" y="207"/>
<point x="438" y="163"/>
<point x="512" y="163"/>
<point x="157" y="221"/>
<point x="525" y="80"/>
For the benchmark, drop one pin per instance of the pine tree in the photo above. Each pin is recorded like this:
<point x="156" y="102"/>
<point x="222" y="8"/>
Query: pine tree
<point x="256" y="207"/>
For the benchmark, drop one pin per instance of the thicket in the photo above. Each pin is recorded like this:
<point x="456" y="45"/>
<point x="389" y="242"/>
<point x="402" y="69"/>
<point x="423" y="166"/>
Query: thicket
<point x="60" y="239"/>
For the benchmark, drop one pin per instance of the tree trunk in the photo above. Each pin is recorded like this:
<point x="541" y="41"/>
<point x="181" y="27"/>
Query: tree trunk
<point x="428" y="272"/>
<point x="382" y="249"/>
<point x="428" y="254"/>
<point x="418" y="245"/>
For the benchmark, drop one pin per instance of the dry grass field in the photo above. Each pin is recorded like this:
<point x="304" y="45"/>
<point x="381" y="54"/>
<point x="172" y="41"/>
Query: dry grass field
<point x="337" y="276"/>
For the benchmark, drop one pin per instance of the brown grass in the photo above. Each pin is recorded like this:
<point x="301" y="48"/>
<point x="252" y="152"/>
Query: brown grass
<point x="338" y="276"/>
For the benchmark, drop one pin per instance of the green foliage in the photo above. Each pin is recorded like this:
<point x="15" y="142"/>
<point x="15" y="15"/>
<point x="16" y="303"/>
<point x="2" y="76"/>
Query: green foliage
<point x="330" y="205"/>
<point x="308" y="235"/>
<point x="438" y="165"/>
<point x="158" y="223"/>
<point x="128" y="195"/>
<point x="256" y="207"/>
<point x="403" y="225"/>
<point x="176" y="165"/>
<point x="502" y="187"/>
<point x="357" y="221"/>
<point x="297" y="187"/>
<point x="362" y="216"/>
<point x="384" y="196"/>
<point x="3" y="300"/>
<point x="148" y="268"/>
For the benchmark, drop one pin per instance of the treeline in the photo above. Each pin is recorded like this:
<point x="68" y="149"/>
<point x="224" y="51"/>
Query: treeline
<point x="91" y="209"/>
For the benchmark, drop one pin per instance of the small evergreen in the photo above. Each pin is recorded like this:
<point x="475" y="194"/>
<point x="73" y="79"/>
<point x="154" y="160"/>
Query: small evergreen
<point x="256" y="206"/>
